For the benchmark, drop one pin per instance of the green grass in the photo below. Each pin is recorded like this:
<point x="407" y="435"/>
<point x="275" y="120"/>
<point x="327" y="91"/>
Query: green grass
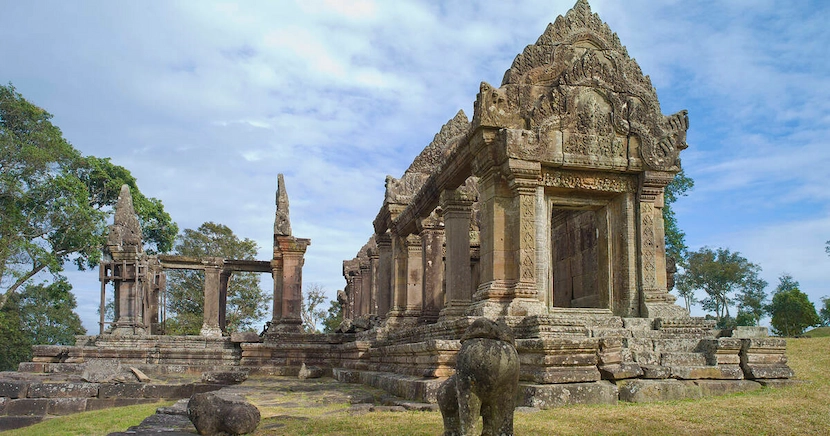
<point x="818" y="332"/>
<point x="99" y="422"/>
<point x="803" y="409"/>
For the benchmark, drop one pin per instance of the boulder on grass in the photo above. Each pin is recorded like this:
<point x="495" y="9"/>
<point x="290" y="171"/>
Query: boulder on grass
<point x="214" y="413"/>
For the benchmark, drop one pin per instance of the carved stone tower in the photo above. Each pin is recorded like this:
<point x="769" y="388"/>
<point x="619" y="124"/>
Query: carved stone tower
<point x="287" y="269"/>
<point x="124" y="265"/>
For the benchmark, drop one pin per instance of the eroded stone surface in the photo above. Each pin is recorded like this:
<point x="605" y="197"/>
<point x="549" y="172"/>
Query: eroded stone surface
<point x="218" y="414"/>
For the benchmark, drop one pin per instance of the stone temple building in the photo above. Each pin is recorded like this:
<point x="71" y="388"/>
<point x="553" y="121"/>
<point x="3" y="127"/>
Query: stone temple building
<point x="544" y="210"/>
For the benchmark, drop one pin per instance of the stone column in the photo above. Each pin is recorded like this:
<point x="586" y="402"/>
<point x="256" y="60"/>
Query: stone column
<point x="384" y="274"/>
<point x="655" y="301"/>
<point x="224" y="280"/>
<point x="365" y="287"/>
<point x="373" y="281"/>
<point x="399" y="271"/>
<point x="276" y="274"/>
<point x="289" y="295"/>
<point x="414" y="277"/>
<point x="456" y="206"/>
<point x="211" y="326"/>
<point x="432" y="239"/>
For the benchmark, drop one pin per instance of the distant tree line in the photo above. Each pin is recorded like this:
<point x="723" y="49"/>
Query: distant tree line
<point x="728" y="279"/>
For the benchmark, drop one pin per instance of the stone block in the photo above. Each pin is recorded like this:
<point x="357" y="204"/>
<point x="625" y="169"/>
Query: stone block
<point x="725" y="387"/>
<point x="63" y="390"/>
<point x="224" y="377"/>
<point x="682" y="359"/>
<point x="576" y="374"/>
<point x="106" y="403"/>
<point x="3" y="402"/>
<point x="13" y="422"/>
<point x="750" y="332"/>
<point x="655" y="371"/>
<point x="620" y="371"/>
<point x="646" y="358"/>
<point x="121" y="390"/>
<point x="638" y="323"/>
<point x="756" y="372"/>
<point x="720" y="372"/>
<point x="546" y="396"/>
<point x="66" y="406"/>
<point x="646" y="391"/>
<point x="27" y="407"/>
<point x="168" y="391"/>
<point x="14" y="389"/>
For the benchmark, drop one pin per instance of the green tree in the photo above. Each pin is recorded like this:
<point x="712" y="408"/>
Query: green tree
<point x="313" y="297"/>
<point x="247" y="302"/>
<point x="791" y="310"/>
<point x="675" y="238"/>
<point x="724" y="276"/>
<point x="824" y="313"/>
<point x="751" y="302"/>
<point x="44" y="314"/>
<point x="17" y="345"/>
<point x="55" y="203"/>
<point x="334" y="316"/>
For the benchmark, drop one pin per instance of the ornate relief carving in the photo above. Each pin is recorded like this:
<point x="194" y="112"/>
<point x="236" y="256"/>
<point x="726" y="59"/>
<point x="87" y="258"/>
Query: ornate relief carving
<point x="648" y="245"/>
<point x="589" y="181"/>
<point x="527" y="249"/>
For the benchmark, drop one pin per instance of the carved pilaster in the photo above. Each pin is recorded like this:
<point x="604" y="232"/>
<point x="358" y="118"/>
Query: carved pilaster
<point x="655" y="300"/>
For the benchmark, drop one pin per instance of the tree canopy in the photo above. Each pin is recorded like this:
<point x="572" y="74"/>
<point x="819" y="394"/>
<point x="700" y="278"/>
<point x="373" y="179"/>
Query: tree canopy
<point x="727" y="278"/>
<point x="675" y="238"/>
<point x="246" y="304"/>
<point x="40" y="314"/>
<point x="54" y="202"/>
<point x="791" y="310"/>
<point x="311" y="311"/>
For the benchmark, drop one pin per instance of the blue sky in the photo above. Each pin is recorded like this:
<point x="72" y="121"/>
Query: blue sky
<point x="205" y="102"/>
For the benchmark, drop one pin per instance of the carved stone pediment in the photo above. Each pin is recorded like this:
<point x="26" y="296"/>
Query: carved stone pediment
<point x="585" y="100"/>
<point x="401" y="191"/>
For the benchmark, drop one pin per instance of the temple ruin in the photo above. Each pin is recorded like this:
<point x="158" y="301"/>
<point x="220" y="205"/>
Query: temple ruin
<point x="544" y="211"/>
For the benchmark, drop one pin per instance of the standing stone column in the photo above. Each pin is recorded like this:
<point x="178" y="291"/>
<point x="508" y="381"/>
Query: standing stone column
<point x="373" y="280"/>
<point x="211" y="324"/>
<point x="365" y="286"/>
<point x="432" y="239"/>
<point x="287" y="264"/>
<point x="224" y="281"/>
<point x="399" y="270"/>
<point x="414" y="278"/>
<point x="384" y="274"/>
<point x="456" y="206"/>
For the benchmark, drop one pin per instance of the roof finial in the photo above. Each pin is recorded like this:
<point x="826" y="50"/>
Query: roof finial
<point x="125" y="229"/>
<point x="282" y="223"/>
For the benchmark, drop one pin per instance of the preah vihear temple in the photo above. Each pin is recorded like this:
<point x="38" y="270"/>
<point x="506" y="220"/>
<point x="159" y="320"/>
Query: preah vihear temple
<point x="543" y="211"/>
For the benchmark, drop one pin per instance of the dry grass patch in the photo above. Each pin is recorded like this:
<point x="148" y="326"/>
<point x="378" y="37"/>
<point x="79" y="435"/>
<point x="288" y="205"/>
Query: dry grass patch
<point x="99" y="422"/>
